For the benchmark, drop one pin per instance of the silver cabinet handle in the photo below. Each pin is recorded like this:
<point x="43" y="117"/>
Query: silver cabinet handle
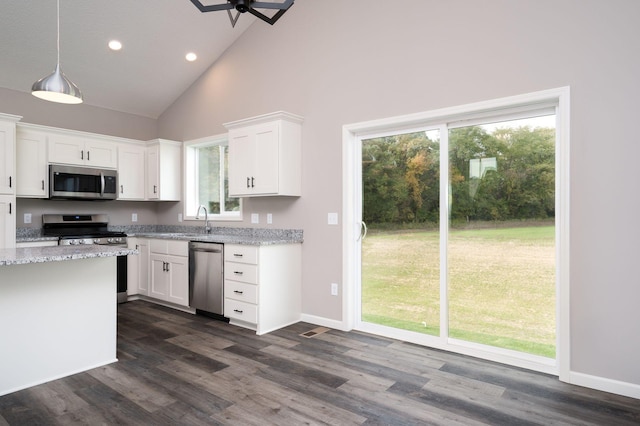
<point x="82" y="154"/>
<point x="88" y="159"/>
<point x="43" y="184"/>
<point x="122" y="189"/>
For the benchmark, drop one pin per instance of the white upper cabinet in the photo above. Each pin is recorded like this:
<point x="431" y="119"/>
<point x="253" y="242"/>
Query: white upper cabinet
<point x="163" y="170"/>
<point x="7" y="154"/>
<point x="31" y="163"/>
<point x="265" y="155"/>
<point x="77" y="148"/>
<point x="131" y="176"/>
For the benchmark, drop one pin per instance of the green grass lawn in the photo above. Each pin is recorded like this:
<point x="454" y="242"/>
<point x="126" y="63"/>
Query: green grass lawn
<point x="501" y="285"/>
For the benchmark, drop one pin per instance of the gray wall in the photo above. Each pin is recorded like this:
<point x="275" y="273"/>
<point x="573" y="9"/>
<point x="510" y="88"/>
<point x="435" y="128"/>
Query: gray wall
<point x="337" y="62"/>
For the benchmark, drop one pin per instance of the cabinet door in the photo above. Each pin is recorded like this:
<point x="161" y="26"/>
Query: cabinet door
<point x="31" y="164"/>
<point x="266" y="165"/>
<point x="143" y="267"/>
<point x="100" y="154"/>
<point x="178" y="292"/>
<point x="133" y="268"/>
<point x="159" y="280"/>
<point x="241" y="159"/>
<point x="153" y="176"/>
<point x="7" y="221"/>
<point x="138" y="268"/>
<point x="7" y="157"/>
<point x="130" y="172"/>
<point x="66" y="149"/>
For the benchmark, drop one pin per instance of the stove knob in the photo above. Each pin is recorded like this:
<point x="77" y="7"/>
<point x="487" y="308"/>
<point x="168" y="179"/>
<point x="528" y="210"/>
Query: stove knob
<point x="110" y="240"/>
<point x="73" y="242"/>
<point x="96" y="241"/>
<point x="81" y="242"/>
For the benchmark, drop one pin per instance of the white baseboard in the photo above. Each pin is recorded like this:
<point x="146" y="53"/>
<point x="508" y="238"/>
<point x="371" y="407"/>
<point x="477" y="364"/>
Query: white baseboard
<point x="603" y="384"/>
<point x="324" y="322"/>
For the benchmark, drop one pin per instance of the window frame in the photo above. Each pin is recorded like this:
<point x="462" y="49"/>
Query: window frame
<point x="190" y="175"/>
<point x="447" y="118"/>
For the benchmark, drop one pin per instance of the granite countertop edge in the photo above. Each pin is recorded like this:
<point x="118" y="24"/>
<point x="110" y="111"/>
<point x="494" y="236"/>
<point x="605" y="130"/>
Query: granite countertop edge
<point x="23" y="256"/>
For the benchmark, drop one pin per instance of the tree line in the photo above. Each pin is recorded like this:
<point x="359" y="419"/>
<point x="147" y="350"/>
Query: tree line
<point x="508" y="174"/>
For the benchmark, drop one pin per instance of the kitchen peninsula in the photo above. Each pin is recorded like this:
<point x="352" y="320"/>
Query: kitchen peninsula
<point x="58" y="310"/>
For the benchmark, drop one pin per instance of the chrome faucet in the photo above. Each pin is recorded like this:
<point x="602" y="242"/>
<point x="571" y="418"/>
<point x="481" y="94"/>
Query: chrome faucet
<point x="207" y="228"/>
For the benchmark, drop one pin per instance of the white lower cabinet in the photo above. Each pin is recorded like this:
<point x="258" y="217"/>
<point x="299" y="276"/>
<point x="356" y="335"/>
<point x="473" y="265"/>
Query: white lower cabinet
<point x="262" y="285"/>
<point x="138" y="268"/>
<point x="169" y="271"/>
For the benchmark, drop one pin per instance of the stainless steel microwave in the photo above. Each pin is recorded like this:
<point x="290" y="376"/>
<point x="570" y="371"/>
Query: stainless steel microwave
<point x="85" y="183"/>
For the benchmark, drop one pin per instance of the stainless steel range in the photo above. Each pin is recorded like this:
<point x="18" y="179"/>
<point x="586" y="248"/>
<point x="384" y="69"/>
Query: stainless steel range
<point x="87" y="229"/>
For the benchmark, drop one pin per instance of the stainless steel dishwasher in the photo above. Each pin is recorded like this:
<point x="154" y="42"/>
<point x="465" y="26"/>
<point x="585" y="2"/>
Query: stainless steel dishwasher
<point x="206" y="278"/>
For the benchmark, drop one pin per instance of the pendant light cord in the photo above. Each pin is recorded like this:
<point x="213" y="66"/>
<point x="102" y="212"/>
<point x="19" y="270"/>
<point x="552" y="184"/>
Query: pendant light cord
<point x="58" y="42"/>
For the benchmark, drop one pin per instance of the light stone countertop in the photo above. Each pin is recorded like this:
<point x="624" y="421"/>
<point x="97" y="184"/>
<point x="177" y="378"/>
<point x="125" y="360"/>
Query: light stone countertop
<point x="217" y="238"/>
<point x="21" y="256"/>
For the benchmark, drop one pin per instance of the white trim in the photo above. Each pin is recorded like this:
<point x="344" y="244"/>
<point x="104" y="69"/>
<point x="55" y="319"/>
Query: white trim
<point x="189" y="180"/>
<point x="618" y="387"/>
<point x="542" y="100"/>
<point x="324" y="322"/>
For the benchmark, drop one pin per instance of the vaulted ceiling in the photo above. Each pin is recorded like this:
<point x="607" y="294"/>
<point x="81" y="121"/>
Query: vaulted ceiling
<point x="144" y="78"/>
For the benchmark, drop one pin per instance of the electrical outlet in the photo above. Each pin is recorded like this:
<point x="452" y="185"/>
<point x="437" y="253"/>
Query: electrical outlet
<point x="134" y="217"/>
<point x="334" y="289"/>
<point x="179" y="217"/>
<point x="269" y="218"/>
<point x="332" y="218"/>
<point x="27" y="218"/>
<point x="255" y="218"/>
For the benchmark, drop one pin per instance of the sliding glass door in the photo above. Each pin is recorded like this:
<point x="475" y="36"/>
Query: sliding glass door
<point x="460" y="245"/>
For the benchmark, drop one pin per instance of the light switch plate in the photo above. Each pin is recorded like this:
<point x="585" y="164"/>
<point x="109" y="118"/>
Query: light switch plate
<point x="332" y="218"/>
<point x="269" y="218"/>
<point x="27" y="218"/>
<point x="255" y="218"/>
<point x="134" y="217"/>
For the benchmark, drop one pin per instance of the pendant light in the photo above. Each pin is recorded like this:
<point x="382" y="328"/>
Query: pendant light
<point x="56" y="87"/>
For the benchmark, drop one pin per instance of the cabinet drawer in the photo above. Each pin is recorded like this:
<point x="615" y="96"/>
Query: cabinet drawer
<point x="241" y="272"/>
<point x="172" y="247"/>
<point x="240" y="310"/>
<point x="241" y="291"/>
<point x="241" y="253"/>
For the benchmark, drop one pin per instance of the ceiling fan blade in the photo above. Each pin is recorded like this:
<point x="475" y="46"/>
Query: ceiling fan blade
<point x="211" y="8"/>
<point x="272" y="5"/>
<point x="265" y="18"/>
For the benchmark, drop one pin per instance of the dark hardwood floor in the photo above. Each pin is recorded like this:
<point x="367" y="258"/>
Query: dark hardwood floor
<point x="179" y="369"/>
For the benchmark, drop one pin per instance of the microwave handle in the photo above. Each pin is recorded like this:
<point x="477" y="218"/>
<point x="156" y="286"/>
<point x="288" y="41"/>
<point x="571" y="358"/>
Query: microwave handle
<point x="101" y="184"/>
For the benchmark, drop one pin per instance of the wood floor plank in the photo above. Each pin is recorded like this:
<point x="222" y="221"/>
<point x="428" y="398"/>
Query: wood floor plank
<point x="134" y="388"/>
<point x="374" y="382"/>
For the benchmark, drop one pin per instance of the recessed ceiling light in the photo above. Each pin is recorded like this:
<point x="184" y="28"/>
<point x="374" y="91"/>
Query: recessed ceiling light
<point x="191" y="57"/>
<point x="115" y="45"/>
